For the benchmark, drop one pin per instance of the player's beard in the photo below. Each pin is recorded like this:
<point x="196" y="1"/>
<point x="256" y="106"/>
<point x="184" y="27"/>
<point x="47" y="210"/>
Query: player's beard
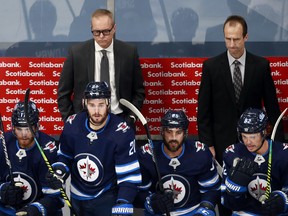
<point x="25" y="142"/>
<point x="173" y="145"/>
<point x="98" y="119"/>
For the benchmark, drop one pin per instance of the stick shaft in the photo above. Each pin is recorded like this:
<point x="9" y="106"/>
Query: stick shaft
<point x="8" y="162"/>
<point x="131" y="107"/>
<point x="62" y="191"/>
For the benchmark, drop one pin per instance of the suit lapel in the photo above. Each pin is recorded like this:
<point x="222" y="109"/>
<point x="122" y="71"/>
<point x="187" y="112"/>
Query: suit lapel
<point x="248" y="77"/>
<point x="117" y="62"/>
<point x="227" y="77"/>
<point x="91" y="61"/>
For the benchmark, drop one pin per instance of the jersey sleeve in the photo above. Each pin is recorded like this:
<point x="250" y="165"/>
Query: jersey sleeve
<point x="127" y="166"/>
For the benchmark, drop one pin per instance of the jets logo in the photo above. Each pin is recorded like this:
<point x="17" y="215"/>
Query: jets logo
<point x="180" y="187"/>
<point x="230" y="149"/>
<point x="50" y="146"/>
<point x="89" y="168"/>
<point x="27" y="184"/>
<point x="122" y="127"/>
<point x="199" y="146"/>
<point x="146" y="149"/>
<point x="257" y="187"/>
<point x="71" y="118"/>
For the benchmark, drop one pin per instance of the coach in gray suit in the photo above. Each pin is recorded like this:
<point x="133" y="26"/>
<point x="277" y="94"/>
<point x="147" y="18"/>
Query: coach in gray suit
<point x="218" y="109"/>
<point x="83" y="66"/>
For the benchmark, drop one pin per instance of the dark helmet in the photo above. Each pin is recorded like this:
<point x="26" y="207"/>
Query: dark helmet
<point x="18" y="114"/>
<point x="95" y="90"/>
<point x="175" y="119"/>
<point x="252" y="121"/>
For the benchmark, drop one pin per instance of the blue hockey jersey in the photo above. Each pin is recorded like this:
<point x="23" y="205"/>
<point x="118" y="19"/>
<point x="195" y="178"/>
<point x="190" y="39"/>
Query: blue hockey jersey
<point x="29" y="168"/>
<point x="100" y="160"/>
<point x="192" y="175"/>
<point x="249" y="203"/>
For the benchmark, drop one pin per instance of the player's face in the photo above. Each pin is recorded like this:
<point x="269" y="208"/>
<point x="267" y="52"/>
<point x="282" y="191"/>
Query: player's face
<point x="24" y="136"/>
<point x="103" y="23"/>
<point x="253" y="142"/>
<point x="98" y="111"/>
<point x="234" y="40"/>
<point x="173" y="139"/>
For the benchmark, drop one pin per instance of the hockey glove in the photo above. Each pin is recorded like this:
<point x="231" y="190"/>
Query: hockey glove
<point x="276" y="204"/>
<point x="122" y="208"/>
<point x="240" y="175"/>
<point x="61" y="173"/>
<point x="11" y="195"/>
<point x="53" y="181"/>
<point x="160" y="203"/>
<point x="205" y="208"/>
<point x="29" y="211"/>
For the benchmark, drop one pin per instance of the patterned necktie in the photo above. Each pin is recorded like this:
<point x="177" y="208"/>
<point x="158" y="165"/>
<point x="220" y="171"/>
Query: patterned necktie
<point x="237" y="80"/>
<point x="104" y="68"/>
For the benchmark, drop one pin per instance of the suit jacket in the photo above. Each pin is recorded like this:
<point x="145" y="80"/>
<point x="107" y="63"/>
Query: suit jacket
<point x="78" y="71"/>
<point x="218" y="112"/>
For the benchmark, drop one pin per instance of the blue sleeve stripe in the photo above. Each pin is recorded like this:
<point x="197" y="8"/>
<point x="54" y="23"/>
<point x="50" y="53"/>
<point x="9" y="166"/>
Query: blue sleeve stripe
<point x="127" y="168"/>
<point x="210" y="182"/>
<point x="137" y="179"/>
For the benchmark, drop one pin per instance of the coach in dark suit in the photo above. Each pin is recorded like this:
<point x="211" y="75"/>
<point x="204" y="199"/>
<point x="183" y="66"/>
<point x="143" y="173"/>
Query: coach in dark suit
<point x="83" y="66"/>
<point x="218" y="108"/>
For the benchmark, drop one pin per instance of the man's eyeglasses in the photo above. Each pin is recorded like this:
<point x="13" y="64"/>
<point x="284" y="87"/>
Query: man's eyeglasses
<point x="105" y="32"/>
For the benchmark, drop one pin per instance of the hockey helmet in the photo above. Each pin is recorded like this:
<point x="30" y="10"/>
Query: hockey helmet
<point x="175" y="119"/>
<point x="18" y="114"/>
<point x="97" y="90"/>
<point x="252" y="121"/>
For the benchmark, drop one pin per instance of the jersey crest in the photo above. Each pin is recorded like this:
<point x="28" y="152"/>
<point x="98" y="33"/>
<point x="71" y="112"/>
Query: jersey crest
<point x="27" y="184"/>
<point x="180" y="187"/>
<point x="89" y="168"/>
<point x="257" y="187"/>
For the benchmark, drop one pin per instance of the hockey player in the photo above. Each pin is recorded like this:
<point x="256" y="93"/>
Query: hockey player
<point x="98" y="149"/>
<point x="28" y="193"/>
<point x="188" y="173"/>
<point x="252" y="166"/>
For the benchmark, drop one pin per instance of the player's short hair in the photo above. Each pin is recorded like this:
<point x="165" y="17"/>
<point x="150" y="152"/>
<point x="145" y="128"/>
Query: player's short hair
<point x="18" y="115"/>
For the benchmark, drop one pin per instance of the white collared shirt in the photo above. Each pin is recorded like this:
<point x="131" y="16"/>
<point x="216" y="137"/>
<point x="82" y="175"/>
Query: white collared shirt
<point x="110" y="54"/>
<point x="242" y="60"/>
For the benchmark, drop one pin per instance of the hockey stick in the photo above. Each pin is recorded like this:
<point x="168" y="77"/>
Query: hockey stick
<point x="267" y="192"/>
<point x="62" y="191"/>
<point x="8" y="162"/>
<point x="131" y="107"/>
<point x="219" y="168"/>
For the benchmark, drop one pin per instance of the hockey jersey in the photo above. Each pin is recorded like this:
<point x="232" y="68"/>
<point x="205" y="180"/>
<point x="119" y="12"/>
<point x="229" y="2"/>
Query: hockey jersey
<point x="30" y="169"/>
<point x="100" y="160"/>
<point x="250" y="203"/>
<point x="192" y="176"/>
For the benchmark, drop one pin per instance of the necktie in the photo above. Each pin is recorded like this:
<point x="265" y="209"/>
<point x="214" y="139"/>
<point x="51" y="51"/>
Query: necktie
<point x="237" y="80"/>
<point x="104" y="68"/>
